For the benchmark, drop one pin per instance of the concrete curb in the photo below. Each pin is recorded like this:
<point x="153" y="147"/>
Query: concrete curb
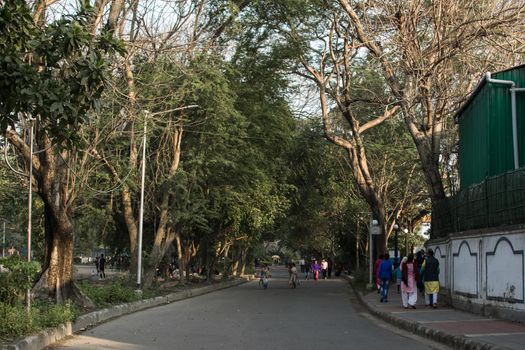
<point x="49" y="336"/>
<point x="454" y="341"/>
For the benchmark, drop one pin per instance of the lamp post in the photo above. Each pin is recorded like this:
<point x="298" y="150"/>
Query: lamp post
<point x="3" y="243"/>
<point x="406" y="241"/>
<point x="357" y="244"/>
<point x="373" y="223"/>
<point x="29" y="204"/>
<point x="396" y="230"/>
<point x="147" y="114"/>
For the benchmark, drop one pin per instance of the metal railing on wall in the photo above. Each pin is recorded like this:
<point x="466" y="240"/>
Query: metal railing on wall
<point x="497" y="201"/>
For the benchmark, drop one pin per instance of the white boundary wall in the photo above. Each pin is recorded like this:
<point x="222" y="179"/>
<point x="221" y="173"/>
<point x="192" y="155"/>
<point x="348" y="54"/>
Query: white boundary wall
<point x="484" y="272"/>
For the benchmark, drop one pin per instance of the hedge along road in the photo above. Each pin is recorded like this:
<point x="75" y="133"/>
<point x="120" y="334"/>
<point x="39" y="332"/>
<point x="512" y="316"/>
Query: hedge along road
<point x="316" y="315"/>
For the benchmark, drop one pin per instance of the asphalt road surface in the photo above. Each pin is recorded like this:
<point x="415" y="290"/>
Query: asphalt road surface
<point x="317" y="315"/>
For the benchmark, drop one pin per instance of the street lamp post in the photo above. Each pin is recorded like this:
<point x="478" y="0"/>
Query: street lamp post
<point x="406" y="241"/>
<point x="147" y="114"/>
<point x="396" y="230"/>
<point x="373" y="222"/>
<point x="141" y="212"/>
<point x="29" y="204"/>
<point x="357" y="244"/>
<point x="3" y="243"/>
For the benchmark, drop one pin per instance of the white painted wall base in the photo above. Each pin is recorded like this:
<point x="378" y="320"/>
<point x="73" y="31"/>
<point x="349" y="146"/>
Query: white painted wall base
<point x="484" y="272"/>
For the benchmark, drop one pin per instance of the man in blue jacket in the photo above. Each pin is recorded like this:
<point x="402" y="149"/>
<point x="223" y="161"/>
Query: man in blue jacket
<point x="385" y="274"/>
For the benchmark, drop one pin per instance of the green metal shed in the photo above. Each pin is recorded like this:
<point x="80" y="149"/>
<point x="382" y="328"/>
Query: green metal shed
<point x="486" y="127"/>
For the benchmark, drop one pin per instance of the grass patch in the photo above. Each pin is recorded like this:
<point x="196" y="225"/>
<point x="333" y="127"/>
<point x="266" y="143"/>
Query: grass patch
<point x="116" y="292"/>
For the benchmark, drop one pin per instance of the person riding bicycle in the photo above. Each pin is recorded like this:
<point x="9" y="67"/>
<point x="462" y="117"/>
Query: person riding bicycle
<point x="265" y="273"/>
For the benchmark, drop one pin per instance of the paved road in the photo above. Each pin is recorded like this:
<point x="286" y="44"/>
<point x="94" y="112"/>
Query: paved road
<point x="316" y="315"/>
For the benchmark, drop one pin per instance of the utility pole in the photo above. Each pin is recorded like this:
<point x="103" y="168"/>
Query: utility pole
<point x="142" y="180"/>
<point x="3" y="243"/>
<point x="357" y="244"/>
<point x="141" y="213"/>
<point x="30" y="204"/>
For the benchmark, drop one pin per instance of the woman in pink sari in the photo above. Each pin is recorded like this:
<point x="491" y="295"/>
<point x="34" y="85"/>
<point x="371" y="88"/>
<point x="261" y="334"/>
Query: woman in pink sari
<point x="410" y="277"/>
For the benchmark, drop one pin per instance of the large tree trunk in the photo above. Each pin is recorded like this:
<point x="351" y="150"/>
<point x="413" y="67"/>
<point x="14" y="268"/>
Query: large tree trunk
<point x="163" y="242"/>
<point x="236" y="257"/>
<point x="57" y="276"/>
<point x="241" y="261"/>
<point x="131" y="224"/>
<point x="51" y="175"/>
<point x="53" y="189"/>
<point x="164" y="235"/>
<point x="180" y="257"/>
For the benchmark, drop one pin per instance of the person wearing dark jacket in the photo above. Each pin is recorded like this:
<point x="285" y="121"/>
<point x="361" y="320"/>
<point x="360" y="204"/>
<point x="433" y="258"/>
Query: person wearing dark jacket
<point x="430" y="269"/>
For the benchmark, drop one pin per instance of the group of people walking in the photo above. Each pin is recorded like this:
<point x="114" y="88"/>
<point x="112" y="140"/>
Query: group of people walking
<point x="318" y="270"/>
<point x="413" y="273"/>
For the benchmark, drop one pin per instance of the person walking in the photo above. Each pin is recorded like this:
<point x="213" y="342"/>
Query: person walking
<point x="315" y="270"/>
<point x="102" y="266"/>
<point x="385" y="274"/>
<point x="410" y="276"/>
<point x="377" y="263"/>
<point x="306" y="270"/>
<point x="430" y="270"/>
<point x="399" y="275"/>
<point x="330" y="267"/>
<point x="324" y="268"/>
<point x="420" y="257"/>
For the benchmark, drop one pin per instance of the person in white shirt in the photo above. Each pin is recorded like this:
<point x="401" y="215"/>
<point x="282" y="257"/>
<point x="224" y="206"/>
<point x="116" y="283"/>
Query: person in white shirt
<point x="324" y="268"/>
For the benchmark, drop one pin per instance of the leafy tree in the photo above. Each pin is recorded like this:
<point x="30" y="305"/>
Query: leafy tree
<point x="430" y="55"/>
<point x="59" y="69"/>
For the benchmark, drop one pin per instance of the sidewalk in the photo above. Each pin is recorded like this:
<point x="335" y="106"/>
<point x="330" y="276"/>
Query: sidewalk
<point x="457" y="329"/>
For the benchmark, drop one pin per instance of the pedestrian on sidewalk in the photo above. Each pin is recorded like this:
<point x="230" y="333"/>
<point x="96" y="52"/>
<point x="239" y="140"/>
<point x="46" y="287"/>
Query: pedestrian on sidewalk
<point x="399" y="275"/>
<point x="385" y="273"/>
<point x="430" y="270"/>
<point x="377" y="263"/>
<point x="410" y="276"/>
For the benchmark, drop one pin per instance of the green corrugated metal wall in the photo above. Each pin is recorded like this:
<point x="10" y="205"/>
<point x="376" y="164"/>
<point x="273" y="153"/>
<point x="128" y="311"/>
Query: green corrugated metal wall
<point x="485" y="130"/>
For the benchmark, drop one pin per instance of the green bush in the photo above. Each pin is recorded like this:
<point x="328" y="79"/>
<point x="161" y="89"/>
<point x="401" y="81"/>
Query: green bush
<point x="15" y="321"/>
<point x="53" y="315"/>
<point x="19" y="277"/>
<point x="114" y="293"/>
